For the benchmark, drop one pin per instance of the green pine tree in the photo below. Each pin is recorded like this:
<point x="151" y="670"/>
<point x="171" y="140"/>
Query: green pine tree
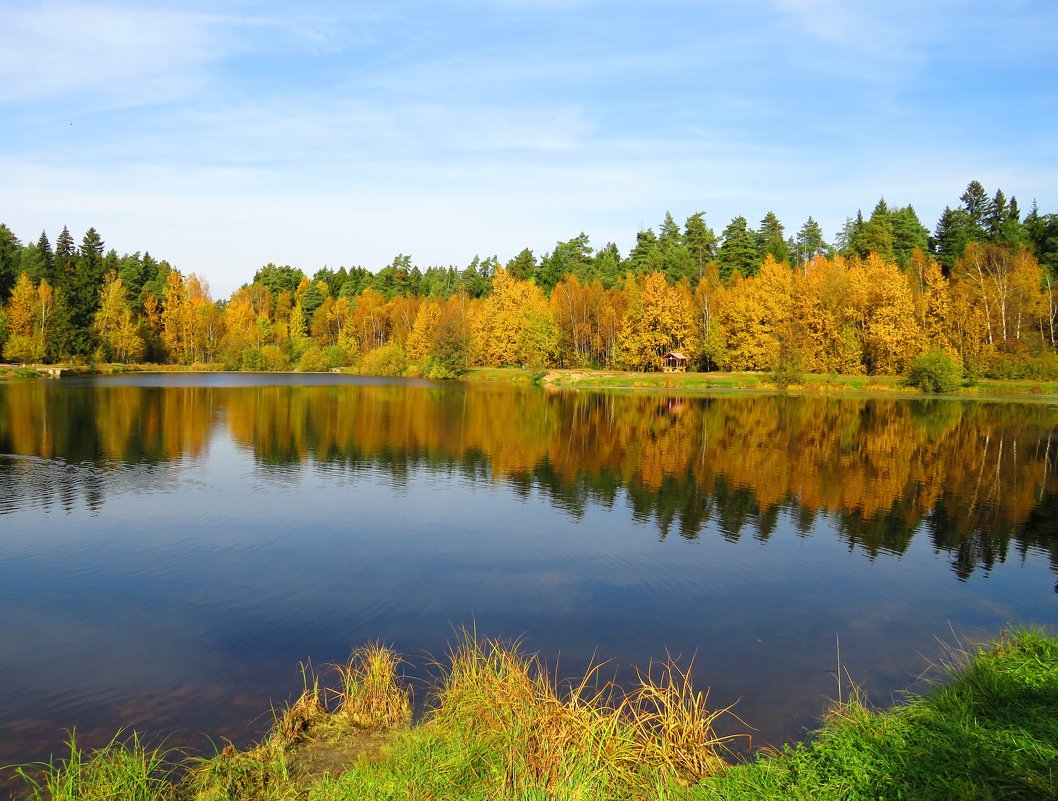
<point x="877" y="234"/>
<point x="738" y="250"/>
<point x="523" y="266"/>
<point x="771" y="239"/>
<point x="701" y="242"/>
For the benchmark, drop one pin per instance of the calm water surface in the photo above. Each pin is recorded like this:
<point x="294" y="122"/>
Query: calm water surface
<point x="171" y="547"/>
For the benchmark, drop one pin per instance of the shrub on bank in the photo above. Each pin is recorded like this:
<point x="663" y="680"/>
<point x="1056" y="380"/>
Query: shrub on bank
<point x="935" y="371"/>
<point x="388" y="360"/>
<point x="252" y="360"/>
<point x="313" y="360"/>
<point x="274" y="360"/>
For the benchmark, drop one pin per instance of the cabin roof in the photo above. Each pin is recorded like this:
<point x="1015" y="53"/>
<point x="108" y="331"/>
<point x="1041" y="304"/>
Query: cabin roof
<point x="674" y="355"/>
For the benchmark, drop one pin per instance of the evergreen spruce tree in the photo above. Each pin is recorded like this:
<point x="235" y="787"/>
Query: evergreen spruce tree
<point x="1041" y="233"/>
<point x="31" y="262"/>
<point x="606" y="266"/>
<point x="701" y="242"/>
<point x="955" y="230"/>
<point x="770" y="239"/>
<point x="738" y="250"/>
<point x="908" y="234"/>
<point x="850" y="237"/>
<point x="673" y="257"/>
<point x="641" y="256"/>
<point x="48" y="255"/>
<point x="61" y="338"/>
<point x="809" y="242"/>
<point x="10" y="257"/>
<point x="82" y="291"/>
<point x="877" y="233"/>
<point x="979" y="209"/>
<point x="523" y="266"/>
<point x="573" y="256"/>
<point x="1011" y="231"/>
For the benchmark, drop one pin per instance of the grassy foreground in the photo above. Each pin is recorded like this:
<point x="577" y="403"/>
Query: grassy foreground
<point x="500" y="727"/>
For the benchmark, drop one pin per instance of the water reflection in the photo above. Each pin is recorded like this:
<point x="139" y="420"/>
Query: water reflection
<point x="977" y="478"/>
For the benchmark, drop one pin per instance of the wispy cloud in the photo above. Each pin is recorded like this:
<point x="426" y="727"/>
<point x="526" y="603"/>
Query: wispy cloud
<point x="57" y="50"/>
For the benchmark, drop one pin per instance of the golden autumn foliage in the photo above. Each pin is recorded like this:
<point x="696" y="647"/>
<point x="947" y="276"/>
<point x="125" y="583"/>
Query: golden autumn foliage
<point x="829" y="314"/>
<point x="513" y="325"/>
<point x="114" y="324"/>
<point x="881" y="309"/>
<point x="191" y="323"/>
<point x="753" y="317"/>
<point x="423" y="330"/>
<point x="28" y="312"/>
<point x="659" y="317"/>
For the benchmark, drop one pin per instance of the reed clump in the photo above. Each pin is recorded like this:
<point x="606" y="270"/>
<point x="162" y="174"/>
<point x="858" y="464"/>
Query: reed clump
<point x="532" y="733"/>
<point x="371" y="693"/>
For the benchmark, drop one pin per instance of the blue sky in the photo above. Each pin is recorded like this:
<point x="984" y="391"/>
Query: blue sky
<point x="225" y="136"/>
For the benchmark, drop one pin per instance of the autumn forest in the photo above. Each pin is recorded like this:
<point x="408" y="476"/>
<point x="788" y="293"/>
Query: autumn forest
<point x="980" y="287"/>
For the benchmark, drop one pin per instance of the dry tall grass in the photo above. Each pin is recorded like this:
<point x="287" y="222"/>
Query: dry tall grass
<point x="534" y="733"/>
<point x="371" y="693"/>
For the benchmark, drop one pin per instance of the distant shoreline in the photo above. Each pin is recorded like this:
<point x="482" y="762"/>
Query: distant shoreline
<point x="810" y="384"/>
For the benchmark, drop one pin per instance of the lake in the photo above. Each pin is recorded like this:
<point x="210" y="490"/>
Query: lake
<point x="172" y="546"/>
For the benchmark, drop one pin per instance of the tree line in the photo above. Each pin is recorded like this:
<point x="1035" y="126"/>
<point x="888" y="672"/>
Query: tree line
<point x="981" y="288"/>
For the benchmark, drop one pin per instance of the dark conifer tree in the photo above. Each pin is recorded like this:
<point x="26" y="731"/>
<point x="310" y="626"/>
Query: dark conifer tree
<point x="955" y="230"/>
<point x="642" y="254"/>
<point x="523" y="266"/>
<point x="10" y="257"/>
<point x="701" y="242"/>
<point x="771" y="239"/>
<point x="908" y="234"/>
<point x="48" y="255"/>
<point x="877" y="233"/>
<point x="978" y="208"/>
<point x="738" y="250"/>
<point x="809" y="242"/>
<point x="82" y="291"/>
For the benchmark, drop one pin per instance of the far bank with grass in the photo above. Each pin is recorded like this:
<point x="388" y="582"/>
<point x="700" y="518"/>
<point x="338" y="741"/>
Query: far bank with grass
<point x="689" y="382"/>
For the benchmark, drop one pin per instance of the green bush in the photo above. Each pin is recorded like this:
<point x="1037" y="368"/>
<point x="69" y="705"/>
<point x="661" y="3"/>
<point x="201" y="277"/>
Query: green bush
<point x="313" y="360"/>
<point x="935" y="371"/>
<point x="389" y="360"/>
<point x="790" y="368"/>
<point x="251" y="359"/>
<point x="274" y="360"/>
<point x="337" y="356"/>
<point x="448" y="353"/>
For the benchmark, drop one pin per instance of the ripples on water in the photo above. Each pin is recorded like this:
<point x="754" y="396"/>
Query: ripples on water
<point x="172" y="547"/>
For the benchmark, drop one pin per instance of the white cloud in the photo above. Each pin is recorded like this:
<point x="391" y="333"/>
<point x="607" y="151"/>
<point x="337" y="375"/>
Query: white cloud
<point x="112" y="53"/>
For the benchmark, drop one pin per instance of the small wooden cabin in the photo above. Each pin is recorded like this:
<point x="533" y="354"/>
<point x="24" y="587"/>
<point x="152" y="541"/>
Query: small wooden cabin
<point x="673" y="362"/>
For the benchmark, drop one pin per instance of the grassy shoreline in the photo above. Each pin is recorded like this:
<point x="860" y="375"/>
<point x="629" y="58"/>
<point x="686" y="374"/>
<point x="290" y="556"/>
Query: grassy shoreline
<point x="813" y="384"/>
<point x="810" y="384"/>
<point x="501" y="727"/>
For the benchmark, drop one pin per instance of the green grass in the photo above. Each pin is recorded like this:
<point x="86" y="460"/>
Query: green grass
<point x="500" y="726"/>
<point x="122" y="770"/>
<point x="810" y="383"/>
<point x="990" y="733"/>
